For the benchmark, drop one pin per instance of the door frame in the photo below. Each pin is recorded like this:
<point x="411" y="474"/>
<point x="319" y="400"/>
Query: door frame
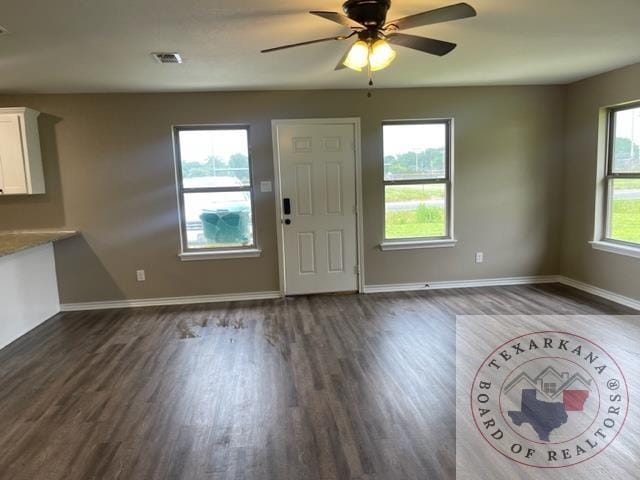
<point x="355" y="121"/>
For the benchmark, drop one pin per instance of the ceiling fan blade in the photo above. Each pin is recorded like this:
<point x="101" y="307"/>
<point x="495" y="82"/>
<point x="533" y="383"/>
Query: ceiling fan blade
<point x="424" y="44"/>
<point x="439" y="15"/>
<point x="302" y="43"/>
<point x="341" y="64"/>
<point x="339" y="18"/>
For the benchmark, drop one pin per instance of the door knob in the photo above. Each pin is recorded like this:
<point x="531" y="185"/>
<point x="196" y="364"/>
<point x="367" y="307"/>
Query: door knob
<point x="287" y="221"/>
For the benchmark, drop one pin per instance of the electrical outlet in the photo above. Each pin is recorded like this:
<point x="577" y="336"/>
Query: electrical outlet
<point x="479" y="257"/>
<point x="140" y="275"/>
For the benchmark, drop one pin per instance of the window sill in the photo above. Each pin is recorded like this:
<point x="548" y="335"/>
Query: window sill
<point x="616" y="248"/>
<point x="220" y="254"/>
<point x="417" y="244"/>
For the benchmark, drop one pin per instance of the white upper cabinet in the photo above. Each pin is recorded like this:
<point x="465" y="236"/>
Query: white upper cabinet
<point x="20" y="159"/>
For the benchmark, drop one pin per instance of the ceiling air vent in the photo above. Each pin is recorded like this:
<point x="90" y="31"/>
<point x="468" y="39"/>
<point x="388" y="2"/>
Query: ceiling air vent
<point x="3" y="30"/>
<point x="165" y="57"/>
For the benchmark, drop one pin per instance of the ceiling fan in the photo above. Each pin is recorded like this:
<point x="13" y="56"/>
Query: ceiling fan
<point x="367" y="19"/>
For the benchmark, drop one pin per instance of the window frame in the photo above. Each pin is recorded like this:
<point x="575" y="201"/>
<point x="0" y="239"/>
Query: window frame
<point x="206" y="253"/>
<point x="610" y="176"/>
<point x="446" y="240"/>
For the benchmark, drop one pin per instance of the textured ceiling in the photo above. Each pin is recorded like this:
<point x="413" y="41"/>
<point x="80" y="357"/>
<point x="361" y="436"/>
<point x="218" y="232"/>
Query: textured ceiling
<point x="104" y="46"/>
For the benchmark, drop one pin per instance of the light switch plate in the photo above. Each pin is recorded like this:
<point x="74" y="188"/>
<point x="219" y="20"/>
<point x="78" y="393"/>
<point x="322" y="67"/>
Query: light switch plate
<point x="265" y="186"/>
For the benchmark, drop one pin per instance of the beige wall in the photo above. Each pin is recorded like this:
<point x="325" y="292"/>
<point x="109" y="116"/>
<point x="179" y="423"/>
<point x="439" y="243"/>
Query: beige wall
<point x="109" y="169"/>
<point x="585" y="100"/>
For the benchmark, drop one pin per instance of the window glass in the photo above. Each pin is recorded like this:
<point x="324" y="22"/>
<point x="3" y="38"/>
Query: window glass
<point x="625" y="210"/>
<point x="415" y="211"/>
<point x="414" y="152"/>
<point x="218" y="219"/>
<point x="626" y="138"/>
<point x="214" y="158"/>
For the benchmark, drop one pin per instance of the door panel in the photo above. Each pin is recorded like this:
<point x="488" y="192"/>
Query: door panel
<point x="317" y="173"/>
<point x="333" y="186"/>
<point x="332" y="144"/>
<point x="334" y="243"/>
<point x="304" y="190"/>
<point x="306" y="253"/>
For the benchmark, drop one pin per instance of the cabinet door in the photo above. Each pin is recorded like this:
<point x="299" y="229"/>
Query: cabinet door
<point x="13" y="179"/>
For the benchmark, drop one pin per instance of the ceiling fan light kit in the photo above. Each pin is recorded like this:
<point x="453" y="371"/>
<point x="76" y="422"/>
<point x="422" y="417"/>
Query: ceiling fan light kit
<point x="381" y="55"/>
<point x="376" y="55"/>
<point x="358" y="56"/>
<point x="368" y="20"/>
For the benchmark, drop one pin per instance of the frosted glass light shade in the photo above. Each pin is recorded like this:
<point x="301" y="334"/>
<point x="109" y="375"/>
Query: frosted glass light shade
<point x="358" y="56"/>
<point x="381" y="55"/>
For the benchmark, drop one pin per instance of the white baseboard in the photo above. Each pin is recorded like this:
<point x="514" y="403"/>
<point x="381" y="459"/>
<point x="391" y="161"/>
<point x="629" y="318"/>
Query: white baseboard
<point x="483" y="282"/>
<point x="152" y="302"/>
<point x="395" y="287"/>
<point x="494" y="282"/>
<point x="600" y="292"/>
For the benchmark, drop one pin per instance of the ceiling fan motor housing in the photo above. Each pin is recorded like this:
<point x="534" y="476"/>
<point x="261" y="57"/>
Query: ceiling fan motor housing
<point x="370" y="13"/>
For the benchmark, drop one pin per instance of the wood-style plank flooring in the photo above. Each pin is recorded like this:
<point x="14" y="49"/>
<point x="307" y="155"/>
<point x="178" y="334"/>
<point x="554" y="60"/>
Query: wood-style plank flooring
<point x="319" y="387"/>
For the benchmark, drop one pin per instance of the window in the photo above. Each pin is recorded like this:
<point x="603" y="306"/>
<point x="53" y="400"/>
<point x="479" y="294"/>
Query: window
<point x="417" y="184"/>
<point x="549" y="388"/>
<point x="215" y="192"/>
<point x="622" y="198"/>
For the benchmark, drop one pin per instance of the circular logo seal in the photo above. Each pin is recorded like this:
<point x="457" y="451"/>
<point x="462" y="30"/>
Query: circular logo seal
<point x="549" y="399"/>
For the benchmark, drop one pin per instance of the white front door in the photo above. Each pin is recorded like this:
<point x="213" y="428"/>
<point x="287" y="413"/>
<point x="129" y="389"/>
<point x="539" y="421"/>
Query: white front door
<point x="317" y="170"/>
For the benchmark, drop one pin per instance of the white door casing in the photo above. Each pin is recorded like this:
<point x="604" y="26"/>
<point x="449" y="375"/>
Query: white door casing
<point x="316" y="171"/>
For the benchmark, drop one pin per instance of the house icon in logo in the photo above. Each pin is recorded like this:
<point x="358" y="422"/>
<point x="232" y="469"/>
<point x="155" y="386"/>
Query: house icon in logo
<point x="549" y="383"/>
<point x="547" y="398"/>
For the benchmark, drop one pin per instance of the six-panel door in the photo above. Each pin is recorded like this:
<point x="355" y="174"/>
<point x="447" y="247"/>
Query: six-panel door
<point x="317" y="175"/>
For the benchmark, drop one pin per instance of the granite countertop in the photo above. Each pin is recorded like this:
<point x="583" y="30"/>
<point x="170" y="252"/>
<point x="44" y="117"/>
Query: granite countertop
<point x="18" y="240"/>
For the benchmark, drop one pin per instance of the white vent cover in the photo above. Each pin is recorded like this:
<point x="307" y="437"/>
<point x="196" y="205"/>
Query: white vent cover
<point x="167" y="57"/>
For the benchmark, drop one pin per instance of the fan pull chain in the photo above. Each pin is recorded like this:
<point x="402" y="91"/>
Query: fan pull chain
<point x="370" y="81"/>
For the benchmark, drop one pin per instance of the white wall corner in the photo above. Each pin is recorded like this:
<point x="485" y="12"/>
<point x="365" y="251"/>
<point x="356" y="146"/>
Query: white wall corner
<point x="601" y="292"/>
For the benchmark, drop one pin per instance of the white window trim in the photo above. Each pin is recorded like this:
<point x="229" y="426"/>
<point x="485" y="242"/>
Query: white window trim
<point x="612" y="247"/>
<point x="216" y="253"/>
<point x="389" y="245"/>
<point x="603" y="201"/>
<point x="448" y="241"/>
<point x="220" y="254"/>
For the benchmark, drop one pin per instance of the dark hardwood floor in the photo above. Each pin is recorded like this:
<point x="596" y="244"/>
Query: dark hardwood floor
<point x="320" y="387"/>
